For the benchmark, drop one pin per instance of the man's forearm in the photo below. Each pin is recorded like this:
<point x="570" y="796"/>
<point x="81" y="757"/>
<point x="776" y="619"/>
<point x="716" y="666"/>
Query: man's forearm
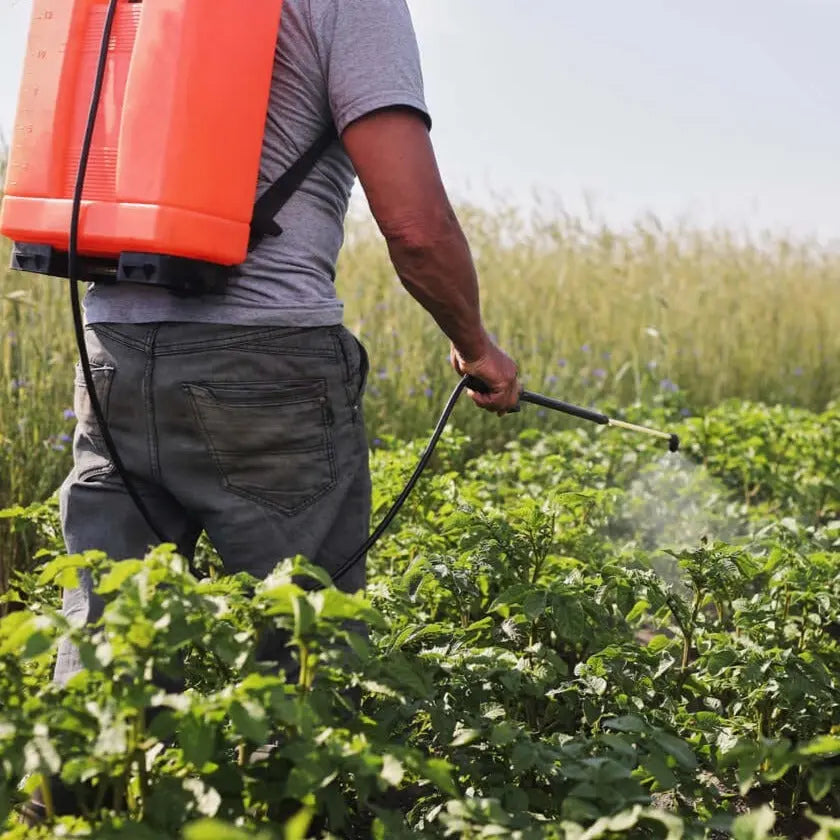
<point x="438" y="271"/>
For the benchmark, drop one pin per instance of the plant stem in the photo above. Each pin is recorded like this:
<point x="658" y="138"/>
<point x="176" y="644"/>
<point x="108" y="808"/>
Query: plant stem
<point x="141" y="766"/>
<point x="46" y="792"/>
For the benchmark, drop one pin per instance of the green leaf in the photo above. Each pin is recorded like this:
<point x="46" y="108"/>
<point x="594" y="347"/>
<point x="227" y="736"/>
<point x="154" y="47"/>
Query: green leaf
<point x="523" y="757"/>
<point x="334" y="604"/>
<point x="197" y="740"/>
<point x="626" y="723"/>
<point x="515" y="800"/>
<point x="615" y="824"/>
<point x="439" y="772"/>
<point x="297" y="827"/>
<point x="597" y="685"/>
<point x="57" y="568"/>
<point x="304" y="617"/>
<point x="249" y="721"/>
<point x="658" y="643"/>
<point x="502" y="734"/>
<point x="15" y="512"/>
<point x="303" y="567"/>
<point x="281" y="598"/>
<point x="829" y="827"/>
<point x="485" y="623"/>
<point x="676" y="748"/>
<point x="40" y="754"/>
<point x="38" y="643"/>
<point x="620" y="745"/>
<point x="463" y="737"/>
<point x="515" y="594"/>
<point x="215" y="830"/>
<point x="756" y="825"/>
<point x="118" y="575"/>
<point x="824" y="745"/>
<point x="820" y="782"/>
<point x="408" y="676"/>
<point x="26" y="635"/>
<point x="534" y="605"/>
<point x="638" y="610"/>
<point x="660" y="771"/>
<point x="672" y="823"/>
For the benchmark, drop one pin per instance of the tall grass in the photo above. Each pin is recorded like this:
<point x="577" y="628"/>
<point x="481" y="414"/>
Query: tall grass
<point x="591" y="315"/>
<point x="36" y="394"/>
<point x="596" y="316"/>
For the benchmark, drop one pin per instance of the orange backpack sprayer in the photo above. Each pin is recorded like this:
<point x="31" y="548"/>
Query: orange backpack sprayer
<point x="173" y="158"/>
<point x="135" y="159"/>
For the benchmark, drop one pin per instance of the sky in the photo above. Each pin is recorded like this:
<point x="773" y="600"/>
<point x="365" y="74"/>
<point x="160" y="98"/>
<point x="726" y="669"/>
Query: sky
<point x="715" y="112"/>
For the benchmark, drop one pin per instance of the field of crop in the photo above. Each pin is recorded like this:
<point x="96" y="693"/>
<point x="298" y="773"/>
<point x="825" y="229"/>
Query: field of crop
<point x="571" y="633"/>
<point x="561" y="645"/>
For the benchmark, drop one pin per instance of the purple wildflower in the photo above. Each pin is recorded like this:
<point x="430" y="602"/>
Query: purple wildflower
<point x="668" y="385"/>
<point x="69" y="414"/>
<point x="599" y="373"/>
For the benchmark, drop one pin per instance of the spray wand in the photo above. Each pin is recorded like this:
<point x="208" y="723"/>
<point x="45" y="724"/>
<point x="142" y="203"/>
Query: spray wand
<point x="583" y="413"/>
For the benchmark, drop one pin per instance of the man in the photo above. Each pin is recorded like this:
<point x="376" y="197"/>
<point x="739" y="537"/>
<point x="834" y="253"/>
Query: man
<point x="240" y="413"/>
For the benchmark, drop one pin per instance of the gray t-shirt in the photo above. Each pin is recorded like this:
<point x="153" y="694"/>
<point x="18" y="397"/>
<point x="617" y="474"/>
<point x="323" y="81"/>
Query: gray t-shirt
<point x="336" y="60"/>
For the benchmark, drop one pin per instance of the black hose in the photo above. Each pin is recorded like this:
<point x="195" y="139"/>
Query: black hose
<point x="401" y="499"/>
<point x="74" y="278"/>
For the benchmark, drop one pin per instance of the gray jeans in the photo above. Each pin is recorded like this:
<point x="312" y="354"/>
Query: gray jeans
<point x="254" y="434"/>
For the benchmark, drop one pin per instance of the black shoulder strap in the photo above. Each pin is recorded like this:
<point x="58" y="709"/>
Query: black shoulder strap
<point x="270" y="203"/>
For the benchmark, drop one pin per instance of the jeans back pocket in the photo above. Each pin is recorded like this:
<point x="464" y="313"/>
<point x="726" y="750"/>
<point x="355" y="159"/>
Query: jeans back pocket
<point x="271" y="442"/>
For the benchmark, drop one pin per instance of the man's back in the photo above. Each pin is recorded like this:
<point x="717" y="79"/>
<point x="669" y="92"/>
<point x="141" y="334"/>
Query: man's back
<point x="335" y="62"/>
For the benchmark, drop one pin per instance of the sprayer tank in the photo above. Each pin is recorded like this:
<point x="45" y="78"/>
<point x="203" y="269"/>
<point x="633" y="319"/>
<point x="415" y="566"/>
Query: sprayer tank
<point x="175" y="155"/>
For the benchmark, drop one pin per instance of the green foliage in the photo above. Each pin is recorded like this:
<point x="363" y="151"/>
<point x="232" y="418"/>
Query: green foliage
<point x="531" y="658"/>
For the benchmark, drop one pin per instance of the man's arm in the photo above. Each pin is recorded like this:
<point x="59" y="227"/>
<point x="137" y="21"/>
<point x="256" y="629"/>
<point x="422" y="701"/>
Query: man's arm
<point x="393" y="156"/>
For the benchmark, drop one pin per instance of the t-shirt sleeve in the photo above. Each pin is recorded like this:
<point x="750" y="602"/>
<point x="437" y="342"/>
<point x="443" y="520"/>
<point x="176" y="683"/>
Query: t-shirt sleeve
<point x="370" y="57"/>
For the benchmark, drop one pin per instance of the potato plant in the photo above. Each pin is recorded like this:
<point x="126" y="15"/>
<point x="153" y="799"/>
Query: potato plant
<point x="574" y="636"/>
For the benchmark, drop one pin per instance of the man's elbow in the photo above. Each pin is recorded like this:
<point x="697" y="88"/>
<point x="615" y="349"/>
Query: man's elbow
<point x="423" y="233"/>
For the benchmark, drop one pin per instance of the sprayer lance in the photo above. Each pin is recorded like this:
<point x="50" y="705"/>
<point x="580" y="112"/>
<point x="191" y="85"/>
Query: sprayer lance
<point x="583" y="413"/>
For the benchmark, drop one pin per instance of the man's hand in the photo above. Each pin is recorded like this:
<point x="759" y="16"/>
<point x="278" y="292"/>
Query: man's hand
<point x="498" y="371"/>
